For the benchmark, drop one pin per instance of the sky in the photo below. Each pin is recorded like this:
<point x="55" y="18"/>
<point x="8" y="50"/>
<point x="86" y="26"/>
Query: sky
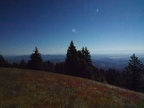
<point x="103" y="26"/>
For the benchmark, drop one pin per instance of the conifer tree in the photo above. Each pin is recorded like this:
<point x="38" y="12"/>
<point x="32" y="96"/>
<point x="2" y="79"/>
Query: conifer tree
<point x="133" y="73"/>
<point x="35" y="61"/>
<point x="48" y="66"/>
<point x="82" y="65"/>
<point x="71" y="60"/>
<point x="86" y="55"/>
<point x="78" y="63"/>
<point x="22" y="64"/>
<point x="2" y="61"/>
<point x="86" y="63"/>
<point x="59" y="68"/>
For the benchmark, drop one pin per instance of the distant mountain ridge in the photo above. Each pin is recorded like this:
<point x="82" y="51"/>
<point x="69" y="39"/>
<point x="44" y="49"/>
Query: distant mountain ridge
<point x="117" y="63"/>
<point x="52" y="58"/>
<point x="104" y="62"/>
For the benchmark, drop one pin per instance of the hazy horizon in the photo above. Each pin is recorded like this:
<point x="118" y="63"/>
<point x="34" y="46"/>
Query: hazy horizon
<point x="100" y="54"/>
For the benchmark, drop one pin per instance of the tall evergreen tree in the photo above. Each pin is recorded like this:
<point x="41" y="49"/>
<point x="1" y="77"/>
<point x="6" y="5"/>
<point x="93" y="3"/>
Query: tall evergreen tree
<point x="71" y="60"/>
<point x="86" y="55"/>
<point x="2" y="61"/>
<point x="35" y="61"/>
<point x="22" y="64"/>
<point x="83" y="67"/>
<point x="59" y="68"/>
<point x="86" y="63"/>
<point x="113" y="77"/>
<point x="78" y="63"/>
<point x="48" y="66"/>
<point x="133" y="73"/>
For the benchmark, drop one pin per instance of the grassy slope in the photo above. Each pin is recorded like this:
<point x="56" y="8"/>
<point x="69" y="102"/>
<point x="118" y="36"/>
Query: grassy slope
<point x="27" y="88"/>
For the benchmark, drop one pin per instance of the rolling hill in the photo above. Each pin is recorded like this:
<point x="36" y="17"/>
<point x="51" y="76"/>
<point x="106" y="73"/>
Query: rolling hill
<point x="37" y="89"/>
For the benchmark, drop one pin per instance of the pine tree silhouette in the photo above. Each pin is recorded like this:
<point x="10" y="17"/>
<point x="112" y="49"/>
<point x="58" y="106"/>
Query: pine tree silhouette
<point x="78" y="63"/>
<point x="35" y="61"/>
<point x="133" y="73"/>
<point x="71" y="60"/>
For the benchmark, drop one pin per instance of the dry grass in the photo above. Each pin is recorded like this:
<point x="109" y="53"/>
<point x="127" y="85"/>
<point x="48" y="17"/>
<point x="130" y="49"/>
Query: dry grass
<point x="35" y="89"/>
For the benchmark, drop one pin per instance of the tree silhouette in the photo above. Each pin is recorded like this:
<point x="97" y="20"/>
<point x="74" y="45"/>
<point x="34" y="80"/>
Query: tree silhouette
<point x="78" y="63"/>
<point x="113" y="77"/>
<point x="35" y="61"/>
<point x="48" y="66"/>
<point x="86" y="55"/>
<point x="22" y="64"/>
<point x="59" y="68"/>
<point x="98" y="74"/>
<point x="71" y="60"/>
<point x="133" y="73"/>
<point x="2" y="61"/>
<point x="85" y="64"/>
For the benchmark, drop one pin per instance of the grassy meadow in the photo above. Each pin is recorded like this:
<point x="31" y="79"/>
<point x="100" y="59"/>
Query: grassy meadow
<point x="20" y="88"/>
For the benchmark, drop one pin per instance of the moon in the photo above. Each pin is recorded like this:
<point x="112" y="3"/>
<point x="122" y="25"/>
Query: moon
<point x="97" y="10"/>
<point x="73" y="30"/>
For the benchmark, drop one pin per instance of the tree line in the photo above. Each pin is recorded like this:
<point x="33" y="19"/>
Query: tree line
<point x="78" y="63"/>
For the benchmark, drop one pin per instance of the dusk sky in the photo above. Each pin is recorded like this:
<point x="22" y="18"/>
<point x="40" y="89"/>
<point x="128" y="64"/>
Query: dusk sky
<point x="100" y="25"/>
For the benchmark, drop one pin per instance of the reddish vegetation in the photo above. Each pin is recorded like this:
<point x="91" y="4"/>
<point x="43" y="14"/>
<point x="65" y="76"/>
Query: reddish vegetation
<point x="26" y="88"/>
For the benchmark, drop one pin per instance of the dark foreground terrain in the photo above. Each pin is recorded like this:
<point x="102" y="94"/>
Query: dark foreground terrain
<point x="31" y="89"/>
